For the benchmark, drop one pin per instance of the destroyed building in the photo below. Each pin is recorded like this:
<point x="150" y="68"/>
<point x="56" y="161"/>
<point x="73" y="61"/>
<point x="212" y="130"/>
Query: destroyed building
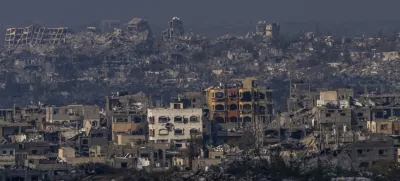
<point x="175" y="28"/>
<point x="268" y="30"/>
<point x="35" y="34"/>
<point x="127" y="115"/>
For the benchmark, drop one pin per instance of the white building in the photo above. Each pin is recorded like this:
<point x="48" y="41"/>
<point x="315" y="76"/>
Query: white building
<point x="176" y="125"/>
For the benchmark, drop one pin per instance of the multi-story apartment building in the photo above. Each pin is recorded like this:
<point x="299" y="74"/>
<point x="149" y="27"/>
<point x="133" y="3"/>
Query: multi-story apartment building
<point x="77" y="116"/>
<point x="177" y="124"/>
<point x="126" y="114"/>
<point x="244" y="104"/>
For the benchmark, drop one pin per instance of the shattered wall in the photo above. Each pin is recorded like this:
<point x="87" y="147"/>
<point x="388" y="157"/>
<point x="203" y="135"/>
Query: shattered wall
<point x="34" y="34"/>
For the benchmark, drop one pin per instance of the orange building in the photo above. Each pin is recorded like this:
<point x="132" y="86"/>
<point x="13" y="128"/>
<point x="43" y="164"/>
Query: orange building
<point x="242" y="102"/>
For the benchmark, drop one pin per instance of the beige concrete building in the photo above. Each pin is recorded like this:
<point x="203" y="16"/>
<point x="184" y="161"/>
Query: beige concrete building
<point x="77" y="116"/>
<point x="175" y="125"/>
<point x="7" y="156"/>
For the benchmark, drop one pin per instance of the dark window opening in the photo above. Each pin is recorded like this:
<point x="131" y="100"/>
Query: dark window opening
<point x="219" y="95"/>
<point x="247" y="107"/>
<point x="384" y="127"/>
<point x="247" y="119"/>
<point x="360" y="114"/>
<point x="85" y="141"/>
<point x="194" y="131"/>
<point x="124" y="165"/>
<point x="261" y="95"/>
<point x="360" y="152"/>
<point x="194" y="119"/>
<point x="233" y="107"/>
<point x="137" y="120"/>
<point x="34" y="152"/>
<point x="382" y="152"/>
<point x="246" y="96"/>
<point x="177" y="106"/>
<point x="219" y="107"/>
<point x="233" y="119"/>
<point x="179" y="132"/>
<point x="163" y="119"/>
<point x="342" y="114"/>
<point x="4" y="152"/>
<point x="327" y="115"/>
<point x="178" y="119"/>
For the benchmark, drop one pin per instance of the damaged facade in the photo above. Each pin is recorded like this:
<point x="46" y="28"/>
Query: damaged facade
<point x="35" y="34"/>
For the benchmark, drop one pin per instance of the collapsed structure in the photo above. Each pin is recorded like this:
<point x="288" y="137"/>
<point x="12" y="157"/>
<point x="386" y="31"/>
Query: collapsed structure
<point x="269" y="30"/>
<point x="35" y="34"/>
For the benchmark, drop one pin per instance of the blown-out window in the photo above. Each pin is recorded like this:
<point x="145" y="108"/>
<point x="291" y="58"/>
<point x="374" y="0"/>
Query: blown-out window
<point x="178" y="119"/>
<point x="179" y="131"/>
<point x="194" y="119"/>
<point x="233" y="107"/>
<point x="219" y="107"/>
<point x="163" y="119"/>
<point x="194" y="131"/>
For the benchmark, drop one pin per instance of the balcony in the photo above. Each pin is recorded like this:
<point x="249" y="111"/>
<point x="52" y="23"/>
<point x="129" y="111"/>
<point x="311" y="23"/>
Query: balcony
<point x="163" y="132"/>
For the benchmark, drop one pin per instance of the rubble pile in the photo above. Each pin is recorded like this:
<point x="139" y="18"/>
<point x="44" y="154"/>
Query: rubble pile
<point x="57" y="64"/>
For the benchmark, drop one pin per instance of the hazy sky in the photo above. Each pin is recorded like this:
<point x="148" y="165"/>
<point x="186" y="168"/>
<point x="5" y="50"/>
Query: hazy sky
<point x="208" y="16"/>
<point x="215" y="11"/>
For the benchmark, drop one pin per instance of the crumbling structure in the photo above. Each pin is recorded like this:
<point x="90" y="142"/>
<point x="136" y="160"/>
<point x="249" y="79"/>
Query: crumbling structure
<point x="35" y="34"/>
<point x="175" y="28"/>
<point x="268" y="30"/>
<point x="127" y="115"/>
